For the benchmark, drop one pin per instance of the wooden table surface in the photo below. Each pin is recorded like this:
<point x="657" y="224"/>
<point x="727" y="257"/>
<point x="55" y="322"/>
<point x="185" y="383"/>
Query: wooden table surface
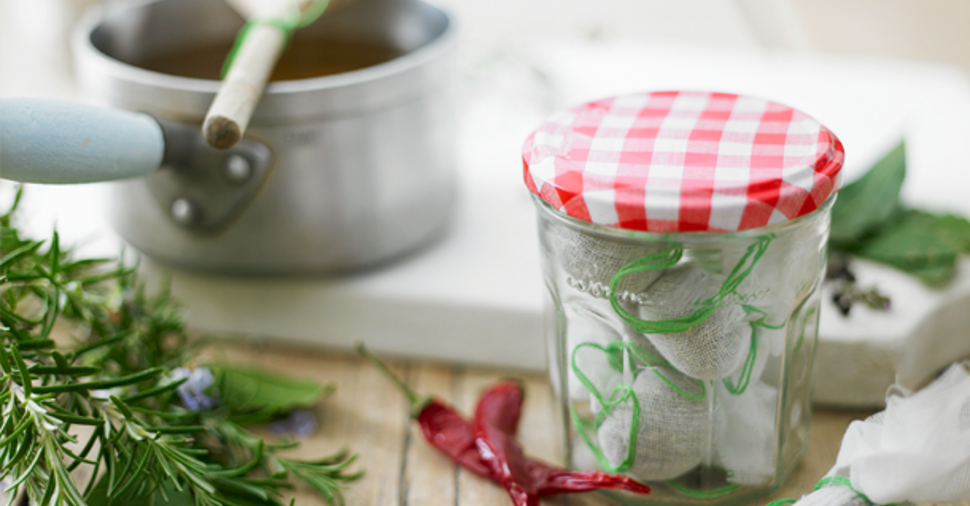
<point x="369" y="416"/>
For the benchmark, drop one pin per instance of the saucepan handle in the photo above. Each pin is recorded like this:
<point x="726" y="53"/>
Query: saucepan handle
<point x="59" y="142"/>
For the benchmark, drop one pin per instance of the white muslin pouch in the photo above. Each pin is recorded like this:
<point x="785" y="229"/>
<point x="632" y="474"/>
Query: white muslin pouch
<point x="592" y="259"/>
<point x="589" y="322"/>
<point x="672" y="430"/>
<point x="917" y="450"/>
<point x="713" y="348"/>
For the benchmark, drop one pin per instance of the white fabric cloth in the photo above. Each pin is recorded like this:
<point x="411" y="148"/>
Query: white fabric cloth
<point x="917" y="450"/>
<point x="832" y="495"/>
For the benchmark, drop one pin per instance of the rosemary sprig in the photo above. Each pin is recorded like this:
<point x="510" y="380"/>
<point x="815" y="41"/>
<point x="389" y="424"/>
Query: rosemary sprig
<point x="125" y="377"/>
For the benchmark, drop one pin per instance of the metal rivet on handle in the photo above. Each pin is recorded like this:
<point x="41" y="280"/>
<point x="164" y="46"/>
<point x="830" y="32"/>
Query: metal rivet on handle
<point x="184" y="211"/>
<point x="238" y="169"/>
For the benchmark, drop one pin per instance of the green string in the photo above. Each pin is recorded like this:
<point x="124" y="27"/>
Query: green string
<point x="652" y="262"/>
<point x="619" y="395"/>
<point x="779" y="502"/>
<point x="668" y="259"/>
<point x="760" y="322"/>
<point x="745" y="379"/>
<point x="838" y="480"/>
<point x="287" y="25"/>
<point x="582" y="427"/>
<point x="703" y="494"/>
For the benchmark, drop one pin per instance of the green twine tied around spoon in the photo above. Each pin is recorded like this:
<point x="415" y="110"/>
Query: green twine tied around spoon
<point x="290" y="22"/>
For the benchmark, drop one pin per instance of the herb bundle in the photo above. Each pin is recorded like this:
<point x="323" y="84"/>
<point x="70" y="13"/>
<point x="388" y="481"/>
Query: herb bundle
<point x="869" y="221"/>
<point x="156" y="429"/>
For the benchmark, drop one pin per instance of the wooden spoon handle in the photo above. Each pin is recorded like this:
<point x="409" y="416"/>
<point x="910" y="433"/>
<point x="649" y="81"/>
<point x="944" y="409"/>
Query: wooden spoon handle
<point x="230" y="112"/>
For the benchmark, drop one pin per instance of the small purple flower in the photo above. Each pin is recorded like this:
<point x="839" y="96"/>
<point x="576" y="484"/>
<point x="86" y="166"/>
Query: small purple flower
<point x="192" y="392"/>
<point x="301" y="424"/>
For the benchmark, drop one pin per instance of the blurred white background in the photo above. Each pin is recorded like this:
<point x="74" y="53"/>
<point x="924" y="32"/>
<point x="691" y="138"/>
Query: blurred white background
<point x="871" y="70"/>
<point x="34" y="58"/>
<point x="522" y="59"/>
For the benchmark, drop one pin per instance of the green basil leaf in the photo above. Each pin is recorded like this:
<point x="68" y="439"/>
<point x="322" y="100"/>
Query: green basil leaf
<point x="246" y="391"/>
<point x="916" y="244"/>
<point x="935" y="276"/>
<point x="955" y="230"/>
<point x="869" y="202"/>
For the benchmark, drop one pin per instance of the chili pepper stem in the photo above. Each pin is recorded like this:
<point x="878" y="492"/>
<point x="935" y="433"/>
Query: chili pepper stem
<point x="417" y="402"/>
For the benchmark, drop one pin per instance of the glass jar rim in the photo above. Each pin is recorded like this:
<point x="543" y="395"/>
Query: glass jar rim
<point x="617" y="233"/>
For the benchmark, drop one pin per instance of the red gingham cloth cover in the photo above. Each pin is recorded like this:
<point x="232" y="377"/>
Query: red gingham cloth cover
<point x="683" y="162"/>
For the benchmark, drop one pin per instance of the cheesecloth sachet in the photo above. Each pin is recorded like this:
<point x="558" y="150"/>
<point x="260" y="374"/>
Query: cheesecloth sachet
<point x="671" y="429"/>
<point x="917" y="450"/>
<point x="592" y="259"/>
<point x="712" y="348"/>
<point x="592" y="321"/>
<point x="651" y="421"/>
<point x="588" y="320"/>
<point x="695" y="318"/>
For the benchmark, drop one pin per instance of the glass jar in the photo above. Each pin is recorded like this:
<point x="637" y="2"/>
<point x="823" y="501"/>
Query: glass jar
<point x="681" y="349"/>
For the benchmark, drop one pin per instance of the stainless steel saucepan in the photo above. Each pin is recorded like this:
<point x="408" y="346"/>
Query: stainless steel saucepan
<point x="336" y="172"/>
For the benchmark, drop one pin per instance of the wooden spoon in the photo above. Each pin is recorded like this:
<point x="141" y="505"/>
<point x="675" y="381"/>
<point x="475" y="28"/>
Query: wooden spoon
<point x="255" y="58"/>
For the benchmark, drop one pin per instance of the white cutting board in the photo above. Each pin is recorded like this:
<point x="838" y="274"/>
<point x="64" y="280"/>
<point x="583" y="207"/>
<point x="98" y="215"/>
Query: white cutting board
<point x="475" y="296"/>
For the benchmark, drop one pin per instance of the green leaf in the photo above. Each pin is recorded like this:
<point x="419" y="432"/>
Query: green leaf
<point x="920" y="243"/>
<point x="955" y="230"/>
<point x="869" y="202"/>
<point x="935" y="276"/>
<point x="253" y="391"/>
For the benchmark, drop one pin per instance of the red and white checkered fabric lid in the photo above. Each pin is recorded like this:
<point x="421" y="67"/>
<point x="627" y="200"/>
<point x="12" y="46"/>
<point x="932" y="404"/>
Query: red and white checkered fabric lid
<point x="683" y="162"/>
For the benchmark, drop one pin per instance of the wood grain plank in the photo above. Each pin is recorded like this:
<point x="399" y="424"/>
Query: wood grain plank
<point x="541" y="429"/>
<point x="366" y="414"/>
<point x="429" y="476"/>
<point x="377" y="429"/>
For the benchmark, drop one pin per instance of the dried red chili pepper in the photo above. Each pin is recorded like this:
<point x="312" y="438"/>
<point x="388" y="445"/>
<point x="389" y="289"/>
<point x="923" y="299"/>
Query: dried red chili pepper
<point x="501" y="452"/>
<point x="496" y="422"/>
<point x="445" y="429"/>
<point x="501" y="406"/>
<point x="552" y="480"/>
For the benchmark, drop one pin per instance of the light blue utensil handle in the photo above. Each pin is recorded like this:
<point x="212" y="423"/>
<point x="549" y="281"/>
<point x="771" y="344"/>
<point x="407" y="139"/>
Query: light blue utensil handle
<point x="58" y="142"/>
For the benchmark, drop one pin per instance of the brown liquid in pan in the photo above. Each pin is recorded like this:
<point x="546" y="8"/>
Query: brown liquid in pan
<point x="304" y="59"/>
